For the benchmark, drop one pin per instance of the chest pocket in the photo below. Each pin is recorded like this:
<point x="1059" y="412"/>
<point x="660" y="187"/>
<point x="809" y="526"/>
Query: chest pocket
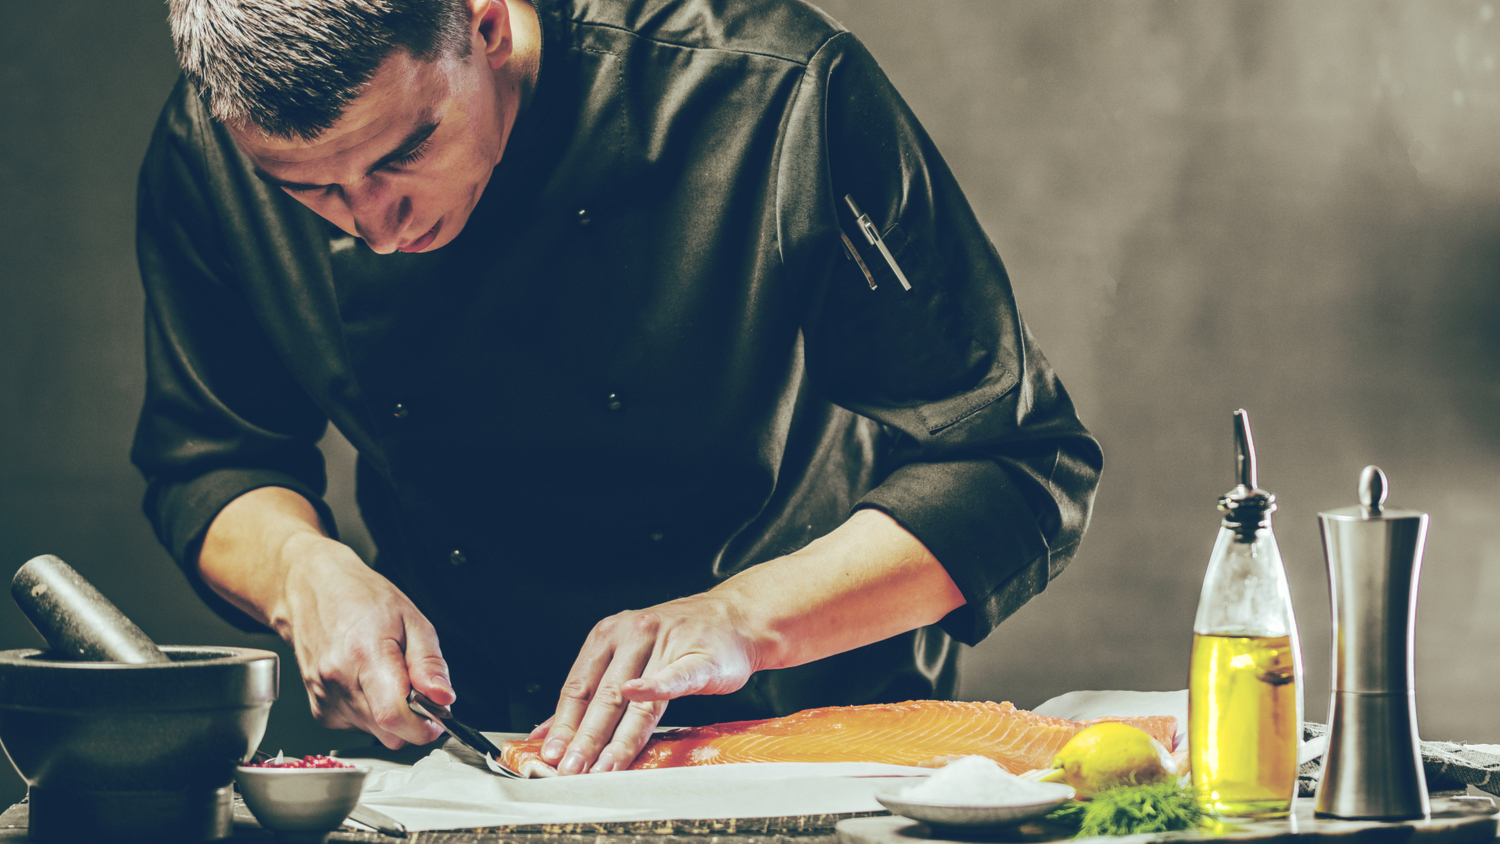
<point x="930" y="350"/>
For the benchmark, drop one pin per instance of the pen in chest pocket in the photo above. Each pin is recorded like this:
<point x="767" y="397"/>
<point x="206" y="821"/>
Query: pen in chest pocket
<point x="872" y="234"/>
<point x="854" y="253"/>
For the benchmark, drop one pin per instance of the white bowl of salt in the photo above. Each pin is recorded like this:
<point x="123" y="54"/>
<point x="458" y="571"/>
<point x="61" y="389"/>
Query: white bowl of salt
<point x="974" y="792"/>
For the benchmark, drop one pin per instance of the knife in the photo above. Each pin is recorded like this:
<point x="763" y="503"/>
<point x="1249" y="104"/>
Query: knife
<point x="464" y="734"/>
<point x="378" y="821"/>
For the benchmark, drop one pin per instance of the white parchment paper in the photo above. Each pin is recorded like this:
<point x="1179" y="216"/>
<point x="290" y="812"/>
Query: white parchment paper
<point x="451" y="789"/>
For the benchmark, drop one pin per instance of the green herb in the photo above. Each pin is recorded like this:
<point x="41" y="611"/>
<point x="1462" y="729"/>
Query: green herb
<point x="1130" y="809"/>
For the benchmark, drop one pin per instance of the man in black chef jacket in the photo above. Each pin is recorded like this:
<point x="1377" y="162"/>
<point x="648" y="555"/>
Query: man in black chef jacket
<point x="585" y="284"/>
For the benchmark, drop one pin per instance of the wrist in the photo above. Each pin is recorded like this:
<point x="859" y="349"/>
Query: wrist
<point x="293" y="571"/>
<point x="249" y="547"/>
<point x="867" y="580"/>
<point x="748" y="601"/>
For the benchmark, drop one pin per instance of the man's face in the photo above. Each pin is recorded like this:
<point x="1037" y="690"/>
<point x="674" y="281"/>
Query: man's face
<point x="406" y="163"/>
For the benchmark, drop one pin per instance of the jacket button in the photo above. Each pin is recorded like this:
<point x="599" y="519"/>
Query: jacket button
<point x="657" y="536"/>
<point x="457" y="557"/>
<point x="614" y="401"/>
<point x="533" y="688"/>
<point x="400" y="411"/>
<point x="583" y="217"/>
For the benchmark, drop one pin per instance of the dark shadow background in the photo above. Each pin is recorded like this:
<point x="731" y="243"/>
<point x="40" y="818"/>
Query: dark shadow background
<point x="1288" y="207"/>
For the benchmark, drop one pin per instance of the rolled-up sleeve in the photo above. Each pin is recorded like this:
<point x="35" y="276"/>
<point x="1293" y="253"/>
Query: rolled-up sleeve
<point x="222" y="414"/>
<point x="992" y="469"/>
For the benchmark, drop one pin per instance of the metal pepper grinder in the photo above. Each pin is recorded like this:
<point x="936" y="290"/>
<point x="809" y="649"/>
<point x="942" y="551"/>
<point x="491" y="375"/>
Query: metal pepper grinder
<point x="1373" y="768"/>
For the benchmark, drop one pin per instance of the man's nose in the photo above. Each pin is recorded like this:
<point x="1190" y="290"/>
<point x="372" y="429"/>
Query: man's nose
<point x="380" y="217"/>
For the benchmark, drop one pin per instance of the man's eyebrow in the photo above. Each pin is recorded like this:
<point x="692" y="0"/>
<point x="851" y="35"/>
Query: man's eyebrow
<point x="414" y="140"/>
<point x="283" y="183"/>
<point x="411" y="142"/>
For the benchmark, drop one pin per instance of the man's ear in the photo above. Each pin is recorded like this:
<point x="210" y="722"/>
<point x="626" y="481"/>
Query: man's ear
<point x="489" y="23"/>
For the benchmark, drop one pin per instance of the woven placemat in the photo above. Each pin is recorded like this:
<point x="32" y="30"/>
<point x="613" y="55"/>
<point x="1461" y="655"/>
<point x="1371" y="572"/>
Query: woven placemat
<point x="1448" y="766"/>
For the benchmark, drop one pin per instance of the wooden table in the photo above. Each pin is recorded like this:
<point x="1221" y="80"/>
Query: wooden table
<point x="817" y="829"/>
<point x="798" y="830"/>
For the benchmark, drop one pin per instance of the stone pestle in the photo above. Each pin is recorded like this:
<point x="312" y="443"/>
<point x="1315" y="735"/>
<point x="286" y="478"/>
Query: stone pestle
<point x="78" y="622"/>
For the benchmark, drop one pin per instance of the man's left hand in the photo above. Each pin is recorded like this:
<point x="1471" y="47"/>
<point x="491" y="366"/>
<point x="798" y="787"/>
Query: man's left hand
<point x="867" y="580"/>
<point x="630" y="666"/>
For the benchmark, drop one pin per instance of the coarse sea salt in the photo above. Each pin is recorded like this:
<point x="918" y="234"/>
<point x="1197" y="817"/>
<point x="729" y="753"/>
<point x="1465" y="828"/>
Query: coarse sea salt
<point x="977" y="781"/>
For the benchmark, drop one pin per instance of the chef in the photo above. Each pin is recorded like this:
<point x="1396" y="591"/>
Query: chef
<point x="678" y="366"/>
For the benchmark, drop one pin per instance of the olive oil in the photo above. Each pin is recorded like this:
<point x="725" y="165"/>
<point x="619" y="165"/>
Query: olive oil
<point x="1242" y="724"/>
<point x="1245" y="672"/>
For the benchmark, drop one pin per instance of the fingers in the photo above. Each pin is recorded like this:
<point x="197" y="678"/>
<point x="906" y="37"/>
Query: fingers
<point x="630" y="736"/>
<point x="425" y="666"/>
<point x="577" y="693"/>
<point x="648" y="696"/>
<point x="591" y="703"/>
<point x="609" y="718"/>
<point x="620" y="719"/>
<point x="574" y="738"/>
<point x="363" y="685"/>
<point x="339" y="703"/>
<point x="631" y="665"/>
<point x="384" y="683"/>
<point x="691" y="674"/>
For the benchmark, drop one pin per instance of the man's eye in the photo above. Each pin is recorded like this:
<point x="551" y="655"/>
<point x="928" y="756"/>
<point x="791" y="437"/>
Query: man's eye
<point x="307" y="191"/>
<point x="411" y="157"/>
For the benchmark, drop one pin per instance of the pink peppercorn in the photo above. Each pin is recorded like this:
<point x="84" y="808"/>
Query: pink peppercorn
<point x="318" y="761"/>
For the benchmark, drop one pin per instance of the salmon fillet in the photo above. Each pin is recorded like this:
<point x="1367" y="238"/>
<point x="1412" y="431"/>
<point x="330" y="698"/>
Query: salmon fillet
<point x="926" y="733"/>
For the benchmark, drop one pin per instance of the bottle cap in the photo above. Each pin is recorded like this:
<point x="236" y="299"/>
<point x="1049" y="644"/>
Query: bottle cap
<point x="1247" y="508"/>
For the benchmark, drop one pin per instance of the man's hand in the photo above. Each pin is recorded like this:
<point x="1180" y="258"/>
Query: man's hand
<point x="630" y="666"/>
<point x="866" y="581"/>
<point x="360" y="643"/>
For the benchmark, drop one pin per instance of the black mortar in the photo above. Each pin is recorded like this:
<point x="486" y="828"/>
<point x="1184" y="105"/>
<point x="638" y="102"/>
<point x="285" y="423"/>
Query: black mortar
<point x="114" y="751"/>
<point x="137" y="750"/>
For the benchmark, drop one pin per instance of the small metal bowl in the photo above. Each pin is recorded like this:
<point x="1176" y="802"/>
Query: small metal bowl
<point x="300" y="802"/>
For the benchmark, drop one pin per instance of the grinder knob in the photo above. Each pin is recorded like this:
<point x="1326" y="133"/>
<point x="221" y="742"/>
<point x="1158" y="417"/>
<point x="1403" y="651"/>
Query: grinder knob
<point x="77" y="621"/>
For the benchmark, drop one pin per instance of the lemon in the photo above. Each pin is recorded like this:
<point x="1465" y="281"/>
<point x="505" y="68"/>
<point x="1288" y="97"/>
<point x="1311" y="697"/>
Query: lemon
<point x="1110" y="754"/>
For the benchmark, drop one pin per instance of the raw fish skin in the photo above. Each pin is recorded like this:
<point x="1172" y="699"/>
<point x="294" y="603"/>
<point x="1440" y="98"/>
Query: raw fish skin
<point x="926" y="733"/>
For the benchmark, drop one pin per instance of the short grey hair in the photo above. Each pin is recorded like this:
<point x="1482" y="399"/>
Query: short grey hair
<point x="291" y="67"/>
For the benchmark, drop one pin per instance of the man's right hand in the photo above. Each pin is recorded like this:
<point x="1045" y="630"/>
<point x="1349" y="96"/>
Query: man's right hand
<point x="360" y="643"/>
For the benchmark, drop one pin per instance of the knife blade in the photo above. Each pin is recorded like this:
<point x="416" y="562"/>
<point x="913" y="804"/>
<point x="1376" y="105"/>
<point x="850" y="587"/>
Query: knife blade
<point x="463" y="733"/>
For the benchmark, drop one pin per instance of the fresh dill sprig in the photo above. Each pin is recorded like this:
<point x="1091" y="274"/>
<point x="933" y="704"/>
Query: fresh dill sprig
<point x="1130" y="809"/>
<point x="1069" y="815"/>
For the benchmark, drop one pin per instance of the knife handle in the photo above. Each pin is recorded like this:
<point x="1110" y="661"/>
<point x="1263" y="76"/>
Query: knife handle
<point x="433" y="710"/>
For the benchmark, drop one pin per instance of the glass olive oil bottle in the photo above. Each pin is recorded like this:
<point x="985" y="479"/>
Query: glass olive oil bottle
<point x="1245" y="676"/>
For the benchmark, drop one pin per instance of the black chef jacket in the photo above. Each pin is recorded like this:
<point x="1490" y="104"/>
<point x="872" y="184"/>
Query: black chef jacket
<point x="647" y="363"/>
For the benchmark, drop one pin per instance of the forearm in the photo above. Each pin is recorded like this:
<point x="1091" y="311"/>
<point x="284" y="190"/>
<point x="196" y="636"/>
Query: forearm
<point x="245" y="555"/>
<point x="866" y="581"/>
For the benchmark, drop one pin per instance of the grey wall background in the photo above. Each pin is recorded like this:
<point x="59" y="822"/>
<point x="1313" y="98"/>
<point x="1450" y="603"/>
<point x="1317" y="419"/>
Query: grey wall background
<point x="1288" y="207"/>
